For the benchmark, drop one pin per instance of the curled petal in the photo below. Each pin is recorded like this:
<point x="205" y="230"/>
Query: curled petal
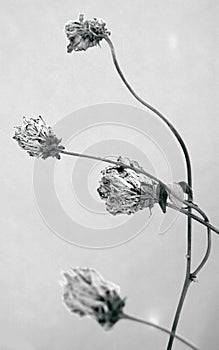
<point x="38" y="139"/>
<point x="125" y="191"/>
<point x="83" y="34"/>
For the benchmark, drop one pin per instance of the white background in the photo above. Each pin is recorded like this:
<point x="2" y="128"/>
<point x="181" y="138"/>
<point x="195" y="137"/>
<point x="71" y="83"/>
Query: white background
<point x="168" y="50"/>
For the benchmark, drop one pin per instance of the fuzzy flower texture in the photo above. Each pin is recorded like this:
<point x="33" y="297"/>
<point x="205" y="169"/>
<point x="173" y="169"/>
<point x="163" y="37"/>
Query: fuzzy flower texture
<point x="86" y="293"/>
<point x="83" y="34"/>
<point x="125" y="191"/>
<point x="38" y="139"/>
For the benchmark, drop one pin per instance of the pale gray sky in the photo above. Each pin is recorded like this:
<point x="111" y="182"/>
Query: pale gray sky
<point x="168" y="51"/>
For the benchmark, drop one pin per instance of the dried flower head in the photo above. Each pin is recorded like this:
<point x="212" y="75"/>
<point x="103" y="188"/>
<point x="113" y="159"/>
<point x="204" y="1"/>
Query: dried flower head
<point x="86" y="293"/>
<point x="38" y="139"/>
<point x="126" y="191"/>
<point x="83" y="34"/>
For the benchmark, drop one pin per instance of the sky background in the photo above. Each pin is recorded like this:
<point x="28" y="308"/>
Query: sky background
<point x="168" y="52"/>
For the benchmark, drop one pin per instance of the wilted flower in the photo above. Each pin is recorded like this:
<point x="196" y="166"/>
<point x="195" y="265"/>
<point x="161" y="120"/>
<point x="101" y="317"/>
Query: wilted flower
<point x="86" y="293"/>
<point x="38" y="139"/>
<point x="126" y="191"/>
<point x="83" y="34"/>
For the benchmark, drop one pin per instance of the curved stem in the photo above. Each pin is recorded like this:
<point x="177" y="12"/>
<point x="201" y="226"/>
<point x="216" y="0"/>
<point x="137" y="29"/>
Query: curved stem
<point x="153" y="109"/>
<point x="189" y="177"/>
<point x="206" y="256"/>
<point x="196" y="218"/>
<point x="208" y="250"/>
<point x="196" y="207"/>
<point x="189" y="277"/>
<point x="165" y="330"/>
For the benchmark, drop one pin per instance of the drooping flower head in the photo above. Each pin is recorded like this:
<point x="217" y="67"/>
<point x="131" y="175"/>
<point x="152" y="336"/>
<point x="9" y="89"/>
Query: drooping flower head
<point x="124" y="190"/>
<point x="86" y="293"/>
<point x="38" y="139"/>
<point x="83" y="34"/>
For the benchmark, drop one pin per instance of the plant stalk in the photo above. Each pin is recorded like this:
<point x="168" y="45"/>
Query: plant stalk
<point x="183" y="211"/>
<point x="163" y="329"/>
<point x="154" y="110"/>
<point x="206" y="256"/>
<point x="189" y="181"/>
<point x="196" y="218"/>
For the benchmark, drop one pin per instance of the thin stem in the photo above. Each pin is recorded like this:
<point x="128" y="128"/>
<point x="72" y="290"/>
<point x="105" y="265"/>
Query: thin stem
<point x="115" y="162"/>
<point x="139" y="171"/>
<point x="189" y="277"/>
<point x="189" y="179"/>
<point x="196" y="207"/>
<point x="163" y="329"/>
<point x="185" y="212"/>
<point x="208" y="250"/>
<point x="206" y="256"/>
<point x="185" y="288"/>
<point x="196" y="218"/>
<point x="153" y="109"/>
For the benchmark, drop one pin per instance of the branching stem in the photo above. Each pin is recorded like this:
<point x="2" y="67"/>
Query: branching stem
<point x="190" y="215"/>
<point x="188" y="276"/>
<point x="189" y="180"/>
